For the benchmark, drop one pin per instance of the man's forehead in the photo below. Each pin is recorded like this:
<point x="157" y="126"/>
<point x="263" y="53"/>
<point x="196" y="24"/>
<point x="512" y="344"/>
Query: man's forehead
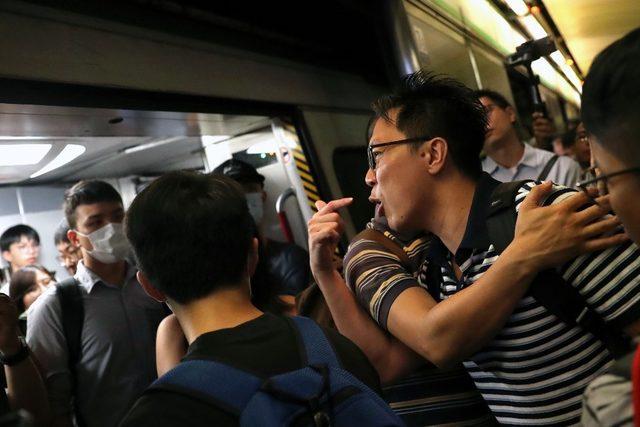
<point x="25" y="239"/>
<point x="101" y="208"/>
<point x="384" y="129"/>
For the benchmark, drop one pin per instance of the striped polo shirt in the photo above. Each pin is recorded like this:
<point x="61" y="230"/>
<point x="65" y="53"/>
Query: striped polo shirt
<point x="535" y="370"/>
<point x="428" y="396"/>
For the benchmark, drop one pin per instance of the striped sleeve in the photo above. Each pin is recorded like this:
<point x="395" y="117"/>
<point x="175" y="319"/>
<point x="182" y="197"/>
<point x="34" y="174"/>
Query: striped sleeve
<point x="377" y="277"/>
<point x="609" y="280"/>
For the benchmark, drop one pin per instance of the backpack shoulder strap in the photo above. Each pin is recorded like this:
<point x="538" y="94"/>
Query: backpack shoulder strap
<point x="501" y="220"/>
<point x="72" y="310"/>
<point x="548" y="287"/>
<point x="547" y="168"/>
<point x="390" y="245"/>
<point x="221" y="385"/>
<point x="317" y="348"/>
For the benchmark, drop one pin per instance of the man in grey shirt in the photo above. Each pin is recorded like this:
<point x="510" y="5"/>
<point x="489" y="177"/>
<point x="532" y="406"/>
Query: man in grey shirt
<point x="509" y="159"/>
<point x="117" y="359"/>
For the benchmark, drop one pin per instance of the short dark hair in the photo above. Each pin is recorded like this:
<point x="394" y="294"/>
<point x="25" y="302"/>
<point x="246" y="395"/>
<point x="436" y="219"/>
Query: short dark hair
<point x="569" y="138"/>
<point x="87" y="193"/>
<point x="191" y="234"/>
<point x="13" y="235"/>
<point x="611" y="97"/>
<point x="60" y="235"/>
<point x="435" y="105"/>
<point x="496" y="97"/>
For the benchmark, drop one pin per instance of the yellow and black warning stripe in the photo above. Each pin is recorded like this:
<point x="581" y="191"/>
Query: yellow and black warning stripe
<point x="304" y="170"/>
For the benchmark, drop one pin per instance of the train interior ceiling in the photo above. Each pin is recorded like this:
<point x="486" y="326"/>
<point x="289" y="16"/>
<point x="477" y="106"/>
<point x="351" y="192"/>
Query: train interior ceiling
<point x="45" y="149"/>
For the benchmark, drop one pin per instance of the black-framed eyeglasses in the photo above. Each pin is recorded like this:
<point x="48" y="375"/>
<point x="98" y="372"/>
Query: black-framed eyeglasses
<point x="372" y="158"/>
<point x="583" y="185"/>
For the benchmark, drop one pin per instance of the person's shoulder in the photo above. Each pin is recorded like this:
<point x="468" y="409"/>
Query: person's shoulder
<point x="558" y="193"/>
<point x="353" y="359"/>
<point x="47" y="304"/>
<point x="160" y="408"/>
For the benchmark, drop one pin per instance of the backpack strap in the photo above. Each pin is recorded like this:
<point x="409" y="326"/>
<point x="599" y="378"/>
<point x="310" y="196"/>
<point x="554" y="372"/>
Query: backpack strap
<point x="390" y="245"/>
<point x="72" y="310"/>
<point x="222" y="385"/>
<point x="317" y="348"/>
<point x="548" y="287"/>
<point x="547" y="168"/>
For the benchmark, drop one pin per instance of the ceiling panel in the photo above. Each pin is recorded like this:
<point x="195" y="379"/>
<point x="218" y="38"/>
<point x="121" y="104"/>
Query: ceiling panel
<point x="588" y="26"/>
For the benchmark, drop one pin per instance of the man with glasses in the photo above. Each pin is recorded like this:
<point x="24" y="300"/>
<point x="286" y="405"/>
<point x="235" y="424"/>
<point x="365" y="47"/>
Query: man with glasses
<point x="509" y="159"/>
<point x="68" y="254"/>
<point x="611" y="113"/>
<point x="534" y="369"/>
<point x="20" y="247"/>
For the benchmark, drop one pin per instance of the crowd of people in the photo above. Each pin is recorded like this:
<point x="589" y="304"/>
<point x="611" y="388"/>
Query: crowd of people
<point x="498" y="282"/>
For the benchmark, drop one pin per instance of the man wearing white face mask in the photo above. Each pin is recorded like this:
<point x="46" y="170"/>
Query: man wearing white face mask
<point x="96" y="347"/>
<point x="287" y="264"/>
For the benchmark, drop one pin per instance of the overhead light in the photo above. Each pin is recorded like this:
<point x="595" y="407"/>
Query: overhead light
<point x="150" y="145"/>
<point x="68" y="154"/>
<point x="560" y="60"/>
<point x="533" y="27"/>
<point x="24" y="138"/>
<point x="213" y="139"/>
<point x="22" y="154"/>
<point x="519" y="7"/>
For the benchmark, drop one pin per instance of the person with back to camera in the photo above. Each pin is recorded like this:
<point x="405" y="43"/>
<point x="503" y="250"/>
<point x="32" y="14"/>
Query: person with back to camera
<point x="610" y="113"/>
<point x="426" y="177"/>
<point x="508" y="158"/>
<point x="213" y="253"/>
<point x="94" y="334"/>
<point x="20" y="246"/>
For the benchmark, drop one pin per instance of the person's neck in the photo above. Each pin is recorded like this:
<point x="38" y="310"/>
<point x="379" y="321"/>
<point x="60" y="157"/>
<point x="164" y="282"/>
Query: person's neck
<point x="507" y="152"/>
<point x="114" y="274"/>
<point x="450" y="210"/>
<point x="225" y="308"/>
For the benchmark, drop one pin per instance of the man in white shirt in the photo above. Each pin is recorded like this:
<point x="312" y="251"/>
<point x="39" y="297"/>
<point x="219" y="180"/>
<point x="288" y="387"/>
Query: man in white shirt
<point x="509" y="159"/>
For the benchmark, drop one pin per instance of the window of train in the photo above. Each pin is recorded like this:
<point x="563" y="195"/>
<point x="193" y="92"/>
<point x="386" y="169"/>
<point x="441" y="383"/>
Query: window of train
<point x="440" y="49"/>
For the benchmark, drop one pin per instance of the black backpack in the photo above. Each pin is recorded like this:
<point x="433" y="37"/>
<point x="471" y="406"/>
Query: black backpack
<point x="548" y="287"/>
<point x="72" y="310"/>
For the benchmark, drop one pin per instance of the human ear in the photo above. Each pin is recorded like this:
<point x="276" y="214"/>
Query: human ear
<point x="435" y="154"/>
<point x="511" y="113"/>
<point x="7" y="256"/>
<point x="72" y="235"/>
<point x="149" y="288"/>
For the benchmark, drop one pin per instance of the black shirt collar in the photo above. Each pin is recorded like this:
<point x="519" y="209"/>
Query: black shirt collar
<point x="476" y="235"/>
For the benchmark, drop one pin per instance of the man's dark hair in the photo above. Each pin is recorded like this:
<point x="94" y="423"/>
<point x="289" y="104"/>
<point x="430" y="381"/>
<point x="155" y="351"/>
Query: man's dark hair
<point x="60" y="235"/>
<point x="13" y="235"/>
<point x="87" y="193"/>
<point x="438" y="106"/>
<point x="611" y="98"/>
<point x="191" y="233"/>
<point x="496" y="97"/>
<point x="569" y="138"/>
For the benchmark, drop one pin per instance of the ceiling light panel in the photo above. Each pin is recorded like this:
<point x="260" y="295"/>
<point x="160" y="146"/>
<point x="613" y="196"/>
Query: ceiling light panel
<point x="69" y="153"/>
<point x="22" y="154"/>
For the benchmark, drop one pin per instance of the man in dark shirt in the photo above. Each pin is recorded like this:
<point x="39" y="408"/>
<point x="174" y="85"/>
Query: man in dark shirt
<point x="287" y="263"/>
<point x="213" y="254"/>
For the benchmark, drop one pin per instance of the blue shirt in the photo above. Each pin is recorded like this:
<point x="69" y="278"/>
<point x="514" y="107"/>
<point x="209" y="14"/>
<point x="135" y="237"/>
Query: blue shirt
<point x="565" y="171"/>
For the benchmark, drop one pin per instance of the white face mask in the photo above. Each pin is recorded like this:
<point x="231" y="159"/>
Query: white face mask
<point x="256" y="209"/>
<point x="109" y="243"/>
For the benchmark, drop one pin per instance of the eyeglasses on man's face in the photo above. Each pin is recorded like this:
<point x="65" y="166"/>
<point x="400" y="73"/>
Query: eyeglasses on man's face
<point x="584" y="185"/>
<point x="372" y="156"/>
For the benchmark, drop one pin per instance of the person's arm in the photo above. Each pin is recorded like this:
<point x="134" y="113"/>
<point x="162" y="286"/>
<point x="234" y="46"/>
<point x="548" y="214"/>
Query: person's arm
<point x="46" y="339"/>
<point x="171" y="344"/>
<point x="25" y="388"/>
<point x="390" y="358"/>
<point x="454" y="329"/>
